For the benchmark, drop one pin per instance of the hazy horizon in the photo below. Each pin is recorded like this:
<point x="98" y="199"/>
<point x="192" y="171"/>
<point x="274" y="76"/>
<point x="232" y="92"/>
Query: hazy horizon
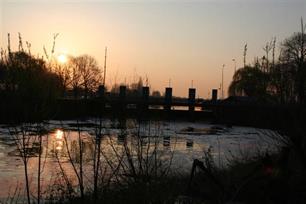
<point x="177" y="39"/>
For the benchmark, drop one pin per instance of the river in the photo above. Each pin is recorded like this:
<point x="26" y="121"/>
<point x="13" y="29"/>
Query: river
<point x="176" y="143"/>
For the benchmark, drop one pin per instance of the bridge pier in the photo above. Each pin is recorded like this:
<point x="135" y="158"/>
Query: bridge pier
<point x="122" y="107"/>
<point x="101" y="91"/>
<point x="145" y="98"/>
<point x="214" y="96"/>
<point x="122" y="92"/>
<point x="191" y="102"/>
<point x="191" y="99"/>
<point x="168" y="99"/>
<point x="100" y="105"/>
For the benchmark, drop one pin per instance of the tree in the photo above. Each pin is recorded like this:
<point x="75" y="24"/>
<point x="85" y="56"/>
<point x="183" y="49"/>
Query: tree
<point x="281" y="81"/>
<point x="75" y="78"/>
<point x="63" y="71"/>
<point x="156" y="94"/>
<point x="285" y="79"/>
<point x="249" y="81"/>
<point x="27" y="85"/>
<point x="135" y="89"/>
<point x="293" y="55"/>
<point x="86" y="74"/>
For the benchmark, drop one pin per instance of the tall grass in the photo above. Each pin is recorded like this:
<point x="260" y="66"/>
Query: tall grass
<point x="132" y="159"/>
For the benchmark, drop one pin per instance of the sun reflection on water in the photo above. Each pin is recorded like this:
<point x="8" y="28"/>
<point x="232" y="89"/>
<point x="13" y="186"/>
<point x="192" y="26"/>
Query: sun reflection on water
<point x="59" y="143"/>
<point x="59" y="134"/>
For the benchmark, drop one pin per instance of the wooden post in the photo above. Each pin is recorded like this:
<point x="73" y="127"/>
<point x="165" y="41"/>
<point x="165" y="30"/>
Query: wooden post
<point x="145" y="97"/>
<point x="122" y="99"/>
<point x="122" y="107"/>
<point x="100" y="105"/>
<point x="191" y="99"/>
<point x="168" y="98"/>
<point x="122" y="92"/>
<point x="101" y="91"/>
<point x="214" y="95"/>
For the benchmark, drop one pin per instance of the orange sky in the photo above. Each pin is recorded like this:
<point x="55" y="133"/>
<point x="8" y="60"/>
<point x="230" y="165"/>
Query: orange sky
<point x="181" y="40"/>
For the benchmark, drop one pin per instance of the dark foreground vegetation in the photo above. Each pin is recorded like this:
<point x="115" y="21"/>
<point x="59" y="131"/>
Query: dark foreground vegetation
<point x="141" y="171"/>
<point x="30" y="87"/>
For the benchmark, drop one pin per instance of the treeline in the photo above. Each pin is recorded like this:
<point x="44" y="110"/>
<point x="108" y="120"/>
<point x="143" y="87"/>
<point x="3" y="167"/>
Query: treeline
<point x="30" y="85"/>
<point x="279" y="79"/>
<point x="78" y="77"/>
<point x="22" y="73"/>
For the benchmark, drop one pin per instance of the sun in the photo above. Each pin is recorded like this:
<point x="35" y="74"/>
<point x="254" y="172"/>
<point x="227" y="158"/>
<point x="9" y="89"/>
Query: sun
<point x="62" y="58"/>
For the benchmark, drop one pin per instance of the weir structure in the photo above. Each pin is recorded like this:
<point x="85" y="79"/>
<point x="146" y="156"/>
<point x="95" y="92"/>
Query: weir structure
<point x="141" y="105"/>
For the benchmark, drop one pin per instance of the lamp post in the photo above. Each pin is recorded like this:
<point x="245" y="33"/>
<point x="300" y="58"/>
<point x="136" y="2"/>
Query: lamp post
<point x="104" y="67"/>
<point x="222" y="83"/>
<point x="235" y="65"/>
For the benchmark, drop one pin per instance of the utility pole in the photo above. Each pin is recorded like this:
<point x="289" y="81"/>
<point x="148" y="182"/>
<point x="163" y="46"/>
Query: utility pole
<point x="147" y="81"/>
<point x="104" y="66"/>
<point x="235" y="65"/>
<point x="302" y="38"/>
<point x="244" y="54"/>
<point x="235" y="68"/>
<point x="222" y="83"/>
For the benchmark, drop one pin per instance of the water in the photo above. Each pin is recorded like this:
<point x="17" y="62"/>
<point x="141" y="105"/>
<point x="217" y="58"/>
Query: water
<point x="175" y="143"/>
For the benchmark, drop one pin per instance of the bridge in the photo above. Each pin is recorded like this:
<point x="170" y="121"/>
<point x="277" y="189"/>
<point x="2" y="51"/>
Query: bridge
<point x="143" y="105"/>
<point x="239" y="111"/>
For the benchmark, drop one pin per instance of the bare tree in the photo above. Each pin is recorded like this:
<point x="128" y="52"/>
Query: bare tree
<point x="75" y="77"/>
<point x="293" y="54"/>
<point x="63" y="71"/>
<point x="87" y="73"/>
<point x="267" y="48"/>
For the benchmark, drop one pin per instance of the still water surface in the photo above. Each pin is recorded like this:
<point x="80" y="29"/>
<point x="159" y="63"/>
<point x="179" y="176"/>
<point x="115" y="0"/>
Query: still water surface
<point x="180" y="142"/>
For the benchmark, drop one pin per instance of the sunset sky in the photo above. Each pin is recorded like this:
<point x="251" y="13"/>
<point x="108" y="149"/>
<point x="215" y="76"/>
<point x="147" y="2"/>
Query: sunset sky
<point x="179" y="39"/>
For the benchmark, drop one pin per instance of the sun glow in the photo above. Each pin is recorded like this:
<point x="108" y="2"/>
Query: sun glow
<point x="62" y="58"/>
<point x="59" y="134"/>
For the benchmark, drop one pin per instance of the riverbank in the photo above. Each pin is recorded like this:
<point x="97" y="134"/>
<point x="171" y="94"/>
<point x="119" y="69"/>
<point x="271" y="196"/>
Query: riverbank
<point x="271" y="116"/>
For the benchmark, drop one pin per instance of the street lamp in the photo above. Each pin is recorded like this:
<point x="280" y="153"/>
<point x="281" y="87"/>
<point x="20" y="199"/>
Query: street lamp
<point x="235" y="65"/>
<point x="222" y="83"/>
